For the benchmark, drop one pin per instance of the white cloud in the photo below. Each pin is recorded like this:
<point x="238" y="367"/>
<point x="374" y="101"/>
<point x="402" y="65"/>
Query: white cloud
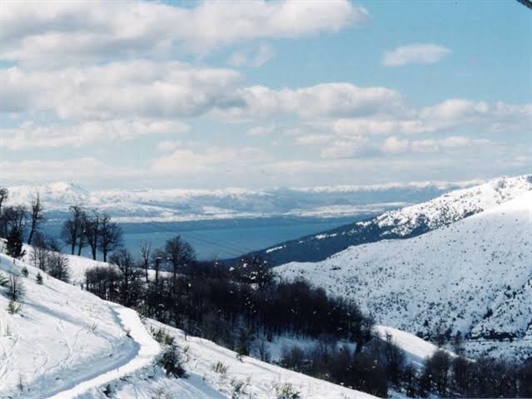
<point x="325" y="100"/>
<point x="312" y="140"/>
<point x="380" y="126"/>
<point x="72" y="169"/>
<point x="415" y="54"/>
<point x="119" y="90"/>
<point x="252" y="58"/>
<point x="347" y="148"/>
<point x="494" y="117"/>
<point x="261" y="130"/>
<point x="395" y="145"/>
<point x="77" y="135"/>
<point x="169" y="145"/>
<point x="43" y="31"/>
<point x="213" y="160"/>
<point x="172" y="89"/>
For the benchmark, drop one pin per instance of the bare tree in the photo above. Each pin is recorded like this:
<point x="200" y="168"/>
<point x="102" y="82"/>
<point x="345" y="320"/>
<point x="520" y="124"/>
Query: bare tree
<point x="4" y="194"/>
<point x="129" y="284"/>
<point x="526" y="3"/>
<point x="110" y="236"/>
<point x="157" y="258"/>
<point x="72" y="228"/>
<point x="179" y="254"/>
<point x="39" y="253"/>
<point x="58" y="266"/>
<point x="145" y="252"/>
<point x="37" y="217"/>
<point x="92" y="232"/>
<point x="82" y="237"/>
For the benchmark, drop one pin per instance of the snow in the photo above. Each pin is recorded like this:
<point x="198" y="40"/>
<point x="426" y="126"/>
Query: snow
<point x="179" y="205"/>
<point x="416" y="349"/>
<point x="146" y="350"/>
<point x="441" y="211"/>
<point x="57" y="338"/>
<point x="456" y="205"/>
<point x="451" y="275"/>
<point x="261" y="377"/>
<point x="67" y="343"/>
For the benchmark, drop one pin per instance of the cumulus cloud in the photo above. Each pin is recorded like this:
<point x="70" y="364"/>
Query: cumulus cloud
<point x="35" y="30"/>
<point x="120" y="89"/>
<point x="28" y="134"/>
<point x="415" y="54"/>
<point x="492" y="117"/>
<point x="172" y="89"/>
<point x="325" y="100"/>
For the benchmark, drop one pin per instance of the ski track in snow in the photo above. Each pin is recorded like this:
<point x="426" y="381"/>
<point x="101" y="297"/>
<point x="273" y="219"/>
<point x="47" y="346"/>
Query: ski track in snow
<point x="144" y="352"/>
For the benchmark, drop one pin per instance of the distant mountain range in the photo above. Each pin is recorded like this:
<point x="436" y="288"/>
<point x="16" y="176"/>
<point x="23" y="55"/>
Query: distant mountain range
<point x="185" y="205"/>
<point x="471" y="272"/>
<point x="406" y="222"/>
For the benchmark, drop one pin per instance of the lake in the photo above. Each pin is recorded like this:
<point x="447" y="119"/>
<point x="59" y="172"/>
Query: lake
<point x="221" y="239"/>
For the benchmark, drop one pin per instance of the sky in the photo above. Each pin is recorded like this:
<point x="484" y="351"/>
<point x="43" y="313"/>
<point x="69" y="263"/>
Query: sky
<point x="261" y="94"/>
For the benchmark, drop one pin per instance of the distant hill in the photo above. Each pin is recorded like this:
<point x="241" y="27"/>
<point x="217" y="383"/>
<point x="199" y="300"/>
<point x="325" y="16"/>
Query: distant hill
<point x="473" y="275"/>
<point x="175" y="205"/>
<point x="402" y="223"/>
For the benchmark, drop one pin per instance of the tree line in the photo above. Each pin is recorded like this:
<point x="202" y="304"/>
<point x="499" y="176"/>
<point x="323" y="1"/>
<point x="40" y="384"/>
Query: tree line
<point x="83" y="228"/>
<point x="382" y="365"/>
<point x="232" y="306"/>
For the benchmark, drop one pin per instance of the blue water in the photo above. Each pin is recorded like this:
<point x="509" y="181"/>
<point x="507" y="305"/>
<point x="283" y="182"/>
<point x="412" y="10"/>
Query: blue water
<point x="223" y="239"/>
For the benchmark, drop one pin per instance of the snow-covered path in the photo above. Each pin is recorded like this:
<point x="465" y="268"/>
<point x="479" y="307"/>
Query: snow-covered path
<point x="145" y="350"/>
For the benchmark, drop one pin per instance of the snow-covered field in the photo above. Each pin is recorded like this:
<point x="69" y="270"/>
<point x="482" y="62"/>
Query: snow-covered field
<point x="474" y="275"/>
<point x="67" y="343"/>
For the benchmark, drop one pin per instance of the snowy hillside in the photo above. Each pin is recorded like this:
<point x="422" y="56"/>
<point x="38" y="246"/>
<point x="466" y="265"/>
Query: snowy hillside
<point x="185" y="205"/>
<point x="66" y="343"/>
<point x="402" y="223"/>
<point x="57" y="338"/>
<point x="474" y="275"/>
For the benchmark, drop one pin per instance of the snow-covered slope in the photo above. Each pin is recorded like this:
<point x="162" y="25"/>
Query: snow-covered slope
<point x="167" y="205"/>
<point x="402" y="223"/>
<point x="57" y="338"/>
<point x="453" y="206"/>
<point x="66" y="343"/>
<point x="474" y="275"/>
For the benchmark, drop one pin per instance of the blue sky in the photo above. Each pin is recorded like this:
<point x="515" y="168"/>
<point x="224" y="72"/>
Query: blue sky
<point x="257" y="94"/>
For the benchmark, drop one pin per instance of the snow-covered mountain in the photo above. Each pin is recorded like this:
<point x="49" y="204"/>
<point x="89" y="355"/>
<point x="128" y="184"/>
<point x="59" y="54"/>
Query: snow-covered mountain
<point x="185" y="205"/>
<point x="67" y="343"/>
<point x="401" y="223"/>
<point x="472" y="275"/>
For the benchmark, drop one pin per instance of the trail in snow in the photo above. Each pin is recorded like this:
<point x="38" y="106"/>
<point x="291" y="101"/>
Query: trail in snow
<point x="146" y="350"/>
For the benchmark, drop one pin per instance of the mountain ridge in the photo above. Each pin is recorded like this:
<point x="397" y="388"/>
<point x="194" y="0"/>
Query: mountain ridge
<point x="144" y="205"/>
<point x="400" y="223"/>
<point x="471" y="276"/>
